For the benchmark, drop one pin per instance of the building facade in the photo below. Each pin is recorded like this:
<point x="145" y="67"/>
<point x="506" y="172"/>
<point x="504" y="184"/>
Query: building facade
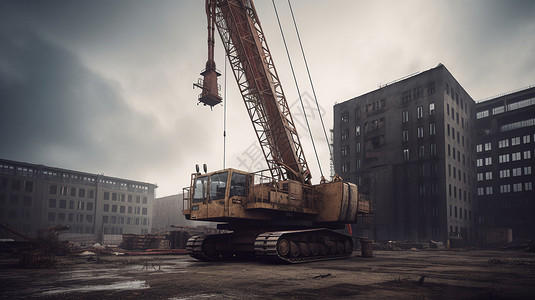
<point x="505" y="128"/>
<point x="35" y="196"/>
<point x="409" y="146"/>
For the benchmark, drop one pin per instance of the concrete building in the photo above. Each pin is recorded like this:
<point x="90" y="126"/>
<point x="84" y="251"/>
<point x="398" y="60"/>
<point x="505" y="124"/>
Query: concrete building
<point x="505" y="127"/>
<point x="168" y="211"/>
<point x="35" y="196"/>
<point x="409" y="145"/>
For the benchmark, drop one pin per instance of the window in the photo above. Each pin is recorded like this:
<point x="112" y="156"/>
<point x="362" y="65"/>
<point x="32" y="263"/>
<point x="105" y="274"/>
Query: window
<point x="106" y="207"/>
<point x="73" y="192"/>
<point x="358" y="147"/>
<point x="517" y="172"/>
<point x="433" y="149"/>
<point x="527" y="170"/>
<point x="405" y="154"/>
<point x="488" y="175"/>
<point x="527" y="154"/>
<point x="488" y="146"/>
<point x="432" y="129"/>
<point x="515" y="156"/>
<point x="505" y="173"/>
<point x="431" y="108"/>
<point x="357" y="130"/>
<point x="528" y="186"/>
<point x="420" y="112"/>
<point x="345" y="167"/>
<point x="503" y="143"/>
<point x="345" y="118"/>
<point x="114" y="208"/>
<point x="405" y="116"/>
<point x="515" y="141"/>
<point x="51" y="217"/>
<point x="106" y="195"/>
<point x="420" y="132"/>
<point x="505" y="188"/>
<point x="526" y="139"/>
<point x="144" y="211"/>
<point x="28" y="186"/>
<point x="63" y="204"/>
<point x="51" y="203"/>
<point x="488" y="161"/>
<point x="479" y="148"/>
<point x="517" y="187"/>
<point x="488" y="190"/>
<point x="405" y="135"/>
<point x="479" y="176"/>
<point x="345" y="134"/>
<point x="89" y="206"/>
<point x="53" y="189"/>
<point x="498" y="110"/>
<point x="482" y="114"/>
<point x="81" y="193"/>
<point x="105" y="219"/>
<point x="479" y="162"/>
<point x="345" y="150"/>
<point x="421" y="151"/>
<point x="503" y="158"/>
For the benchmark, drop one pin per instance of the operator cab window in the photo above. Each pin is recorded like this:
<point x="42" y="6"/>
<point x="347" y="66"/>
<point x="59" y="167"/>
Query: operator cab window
<point x="238" y="185"/>
<point x="218" y="185"/>
<point x="199" y="194"/>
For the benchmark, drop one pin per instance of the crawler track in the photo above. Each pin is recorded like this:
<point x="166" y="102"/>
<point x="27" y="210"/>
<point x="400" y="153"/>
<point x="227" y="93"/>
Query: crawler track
<point x="301" y="246"/>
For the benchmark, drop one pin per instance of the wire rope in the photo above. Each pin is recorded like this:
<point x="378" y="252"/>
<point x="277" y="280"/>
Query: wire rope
<point x="297" y="86"/>
<point x="310" y="78"/>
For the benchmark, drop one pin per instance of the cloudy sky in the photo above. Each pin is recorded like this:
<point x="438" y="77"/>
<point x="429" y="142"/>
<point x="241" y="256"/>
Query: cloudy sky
<point x="106" y="86"/>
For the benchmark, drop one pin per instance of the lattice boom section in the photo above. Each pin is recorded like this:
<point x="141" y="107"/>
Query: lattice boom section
<point x="260" y="87"/>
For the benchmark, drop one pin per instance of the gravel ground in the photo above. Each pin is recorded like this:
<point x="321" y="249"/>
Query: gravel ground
<point x="410" y="274"/>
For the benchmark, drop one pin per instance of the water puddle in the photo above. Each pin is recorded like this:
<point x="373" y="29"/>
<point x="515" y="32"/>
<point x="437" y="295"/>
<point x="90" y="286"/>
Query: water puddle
<point x="117" y="286"/>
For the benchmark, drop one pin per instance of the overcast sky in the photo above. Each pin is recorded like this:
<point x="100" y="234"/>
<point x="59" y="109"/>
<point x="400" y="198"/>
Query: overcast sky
<point x="106" y="86"/>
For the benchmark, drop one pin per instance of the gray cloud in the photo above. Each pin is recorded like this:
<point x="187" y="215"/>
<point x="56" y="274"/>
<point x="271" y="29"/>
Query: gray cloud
<point x="105" y="86"/>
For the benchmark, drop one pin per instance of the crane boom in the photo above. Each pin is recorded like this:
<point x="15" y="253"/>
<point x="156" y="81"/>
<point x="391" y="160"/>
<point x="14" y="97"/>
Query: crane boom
<point x="258" y="81"/>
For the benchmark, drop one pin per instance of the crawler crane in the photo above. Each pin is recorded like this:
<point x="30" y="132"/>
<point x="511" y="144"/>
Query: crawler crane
<point x="280" y="216"/>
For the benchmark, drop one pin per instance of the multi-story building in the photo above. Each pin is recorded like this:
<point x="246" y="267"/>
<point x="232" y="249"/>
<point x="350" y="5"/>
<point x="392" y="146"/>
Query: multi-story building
<point x="35" y="196"/>
<point x="409" y="146"/>
<point x="505" y="128"/>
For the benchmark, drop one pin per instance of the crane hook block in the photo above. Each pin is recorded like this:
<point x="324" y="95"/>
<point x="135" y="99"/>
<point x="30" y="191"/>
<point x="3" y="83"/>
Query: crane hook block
<point x="210" y="89"/>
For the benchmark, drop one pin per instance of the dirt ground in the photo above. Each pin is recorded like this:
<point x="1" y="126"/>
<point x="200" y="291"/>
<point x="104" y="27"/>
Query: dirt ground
<point x="449" y="274"/>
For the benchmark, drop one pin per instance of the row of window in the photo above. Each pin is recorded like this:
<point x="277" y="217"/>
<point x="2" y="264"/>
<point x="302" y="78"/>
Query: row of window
<point x="517" y="125"/>
<point x="78" y="205"/>
<point x="14" y="200"/>
<point x="69" y="217"/>
<point x="467" y="213"/>
<point x="455" y="97"/>
<point x="457" y="173"/>
<point x="506" y="188"/>
<point x="16" y="185"/>
<point x="460" y="137"/>
<point x="122" y="197"/>
<point x="504" y="158"/>
<point x="71" y="191"/>
<point x="456" y="154"/>
<point x="125" y="220"/>
<point x="508" y="107"/>
<point x="526" y="139"/>
<point x="455" y="192"/>
<point x="421" y="152"/>
<point x="124" y="209"/>
<point x="419" y="112"/>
